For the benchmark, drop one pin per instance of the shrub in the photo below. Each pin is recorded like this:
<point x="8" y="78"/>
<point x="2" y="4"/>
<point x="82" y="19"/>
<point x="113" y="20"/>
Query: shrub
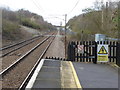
<point x="29" y="23"/>
<point x="10" y="30"/>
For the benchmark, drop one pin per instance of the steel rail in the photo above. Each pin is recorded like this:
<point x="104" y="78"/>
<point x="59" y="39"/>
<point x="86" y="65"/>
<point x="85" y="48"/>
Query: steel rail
<point x="25" y="82"/>
<point x="21" y="58"/>
<point x="15" y="44"/>
<point x="18" y="47"/>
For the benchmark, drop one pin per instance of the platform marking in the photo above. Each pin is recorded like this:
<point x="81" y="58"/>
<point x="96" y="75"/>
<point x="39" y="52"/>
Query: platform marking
<point x="115" y="65"/>
<point x="75" y="76"/>
<point x="33" y="78"/>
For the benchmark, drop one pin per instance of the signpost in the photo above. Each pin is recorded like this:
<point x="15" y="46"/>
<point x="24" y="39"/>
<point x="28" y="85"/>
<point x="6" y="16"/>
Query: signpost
<point x="102" y="53"/>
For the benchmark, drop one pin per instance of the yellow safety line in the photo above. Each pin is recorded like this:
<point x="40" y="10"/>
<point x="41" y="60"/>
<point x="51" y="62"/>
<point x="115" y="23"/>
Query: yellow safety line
<point x="116" y="65"/>
<point x="75" y="76"/>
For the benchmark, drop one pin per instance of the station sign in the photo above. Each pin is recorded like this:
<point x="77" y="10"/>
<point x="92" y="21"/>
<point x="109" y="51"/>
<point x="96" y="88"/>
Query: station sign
<point x="102" y="53"/>
<point x="80" y="49"/>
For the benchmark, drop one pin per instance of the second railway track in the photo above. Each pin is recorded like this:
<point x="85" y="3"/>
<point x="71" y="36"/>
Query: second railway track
<point x="17" y="74"/>
<point x="17" y="46"/>
<point x="13" y="47"/>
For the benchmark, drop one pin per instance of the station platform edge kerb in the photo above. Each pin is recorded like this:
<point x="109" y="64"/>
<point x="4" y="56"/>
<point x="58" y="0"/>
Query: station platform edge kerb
<point x="52" y="73"/>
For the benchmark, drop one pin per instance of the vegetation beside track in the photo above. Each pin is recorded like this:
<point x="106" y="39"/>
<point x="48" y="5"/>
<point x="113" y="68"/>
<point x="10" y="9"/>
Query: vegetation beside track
<point x="13" y="20"/>
<point x="101" y="18"/>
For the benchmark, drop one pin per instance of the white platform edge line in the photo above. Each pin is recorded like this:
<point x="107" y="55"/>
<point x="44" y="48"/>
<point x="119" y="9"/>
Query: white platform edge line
<point x="32" y="80"/>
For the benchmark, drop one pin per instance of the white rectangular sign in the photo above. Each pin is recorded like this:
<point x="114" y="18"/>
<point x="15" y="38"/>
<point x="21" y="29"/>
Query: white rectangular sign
<point x="80" y="48"/>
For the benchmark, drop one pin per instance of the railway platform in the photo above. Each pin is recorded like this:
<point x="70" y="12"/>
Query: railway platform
<point x="102" y="76"/>
<point x="54" y="74"/>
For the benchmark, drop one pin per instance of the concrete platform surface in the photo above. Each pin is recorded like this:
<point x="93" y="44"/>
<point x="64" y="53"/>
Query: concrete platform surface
<point x="96" y="75"/>
<point x="53" y="74"/>
<point x="49" y="75"/>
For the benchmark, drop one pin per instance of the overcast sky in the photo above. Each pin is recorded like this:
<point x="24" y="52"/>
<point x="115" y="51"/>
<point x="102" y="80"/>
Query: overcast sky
<point x="52" y="11"/>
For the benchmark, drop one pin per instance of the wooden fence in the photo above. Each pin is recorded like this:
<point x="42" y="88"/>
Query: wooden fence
<point x="90" y="51"/>
<point x="118" y="55"/>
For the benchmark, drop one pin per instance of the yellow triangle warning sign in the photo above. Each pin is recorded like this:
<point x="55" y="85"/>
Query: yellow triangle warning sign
<point x="102" y="50"/>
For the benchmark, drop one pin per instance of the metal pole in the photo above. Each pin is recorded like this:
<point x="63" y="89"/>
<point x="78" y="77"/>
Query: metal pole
<point x="106" y="19"/>
<point x="65" y="36"/>
<point x="119" y="21"/>
<point x="102" y="15"/>
<point x="82" y="35"/>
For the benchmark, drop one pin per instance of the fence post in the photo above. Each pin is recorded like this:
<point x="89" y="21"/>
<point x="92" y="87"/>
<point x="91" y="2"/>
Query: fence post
<point x="77" y="52"/>
<point x="68" y="52"/>
<point x="95" y="53"/>
<point x="74" y="46"/>
<point x="118" y="54"/>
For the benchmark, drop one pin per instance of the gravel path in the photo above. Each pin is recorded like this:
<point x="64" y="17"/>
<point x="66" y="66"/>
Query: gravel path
<point x="57" y="48"/>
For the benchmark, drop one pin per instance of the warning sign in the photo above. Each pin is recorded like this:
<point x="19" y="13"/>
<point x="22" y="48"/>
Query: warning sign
<point x="102" y="58"/>
<point x="80" y="48"/>
<point x="102" y="50"/>
<point x="102" y="53"/>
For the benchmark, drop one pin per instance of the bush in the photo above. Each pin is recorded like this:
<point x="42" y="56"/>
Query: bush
<point x="29" y="23"/>
<point x="10" y="30"/>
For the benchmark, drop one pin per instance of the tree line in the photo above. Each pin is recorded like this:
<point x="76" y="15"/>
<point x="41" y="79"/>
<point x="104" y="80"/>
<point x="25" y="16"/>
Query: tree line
<point x="12" y="21"/>
<point x="101" y="18"/>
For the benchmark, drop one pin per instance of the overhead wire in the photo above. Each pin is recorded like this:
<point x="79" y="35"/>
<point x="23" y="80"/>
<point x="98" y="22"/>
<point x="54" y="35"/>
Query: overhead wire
<point x="74" y="7"/>
<point x="37" y="5"/>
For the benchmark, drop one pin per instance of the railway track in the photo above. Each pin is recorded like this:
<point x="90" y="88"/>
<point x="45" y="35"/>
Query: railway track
<point x="13" y="47"/>
<point x="21" y="58"/>
<point x="25" y="82"/>
<point x="15" y="44"/>
<point x="18" y="43"/>
<point x="15" y="74"/>
<point x="10" y="58"/>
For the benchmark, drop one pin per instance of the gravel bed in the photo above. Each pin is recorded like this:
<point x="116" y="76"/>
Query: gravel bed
<point x="11" y="48"/>
<point x="12" y="57"/>
<point x="16" y="76"/>
<point x="9" y="59"/>
<point x="57" y="48"/>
